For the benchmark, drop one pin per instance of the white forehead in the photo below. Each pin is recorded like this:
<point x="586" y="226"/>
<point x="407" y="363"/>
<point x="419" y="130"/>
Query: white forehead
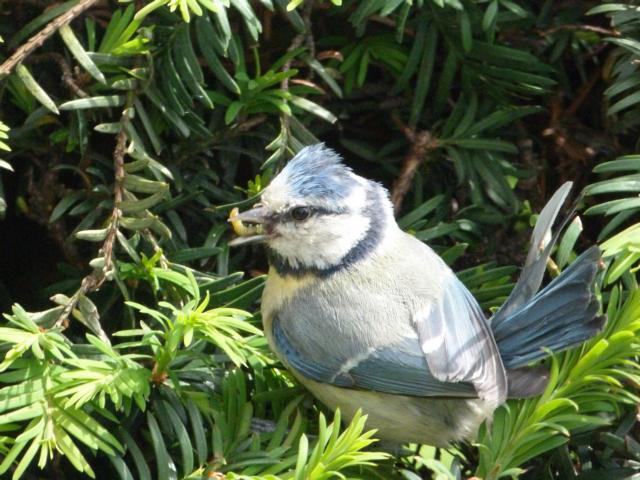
<point x="279" y="196"/>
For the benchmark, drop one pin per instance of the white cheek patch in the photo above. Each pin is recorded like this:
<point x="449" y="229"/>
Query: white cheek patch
<point x="321" y="241"/>
<point x="341" y="233"/>
<point x="357" y="199"/>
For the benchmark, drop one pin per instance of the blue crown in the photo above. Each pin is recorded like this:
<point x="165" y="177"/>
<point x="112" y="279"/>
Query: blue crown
<point x="317" y="171"/>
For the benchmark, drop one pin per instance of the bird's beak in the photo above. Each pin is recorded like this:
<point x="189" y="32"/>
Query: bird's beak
<point x="251" y="233"/>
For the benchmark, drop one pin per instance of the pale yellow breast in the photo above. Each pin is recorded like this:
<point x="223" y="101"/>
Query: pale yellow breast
<point x="279" y="290"/>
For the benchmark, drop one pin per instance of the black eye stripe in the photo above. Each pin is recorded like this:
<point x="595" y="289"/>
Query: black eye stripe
<point x="286" y="215"/>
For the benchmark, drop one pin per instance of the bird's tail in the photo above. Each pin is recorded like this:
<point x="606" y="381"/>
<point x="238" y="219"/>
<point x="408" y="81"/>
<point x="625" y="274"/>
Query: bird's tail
<point x="560" y="316"/>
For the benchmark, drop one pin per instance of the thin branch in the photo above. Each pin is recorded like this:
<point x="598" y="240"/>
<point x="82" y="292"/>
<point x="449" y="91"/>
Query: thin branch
<point x="390" y="23"/>
<point x="267" y="24"/>
<point x="67" y="74"/>
<point x="87" y="285"/>
<point x="284" y="85"/>
<point x="295" y="43"/>
<point x="422" y="143"/>
<point x="96" y="278"/>
<point x="39" y="38"/>
<point x="584" y="93"/>
<point x="584" y="28"/>
<point x="118" y="187"/>
<point x="247" y="125"/>
<point x="297" y="40"/>
<point x="310" y="42"/>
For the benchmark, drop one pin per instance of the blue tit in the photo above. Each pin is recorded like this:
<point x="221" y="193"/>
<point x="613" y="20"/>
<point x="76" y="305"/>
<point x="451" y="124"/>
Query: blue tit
<point x="368" y="317"/>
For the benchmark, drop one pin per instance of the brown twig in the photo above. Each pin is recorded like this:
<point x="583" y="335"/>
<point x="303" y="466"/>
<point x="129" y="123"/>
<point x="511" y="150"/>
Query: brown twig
<point x="39" y="38"/>
<point x="118" y="187"/>
<point x="284" y="85"/>
<point x="422" y="142"/>
<point x="295" y="43"/>
<point x="97" y="277"/>
<point x="298" y="39"/>
<point x="87" y="285"/>
<point x="67" y="74"/>
<point x="563" y="129"/>
<point x="584" y="28"/>
<point x="390" y="23"/>
<point x="583" y="94"/>
<point x="248" y="124"/>
<point x="309" y="41"/>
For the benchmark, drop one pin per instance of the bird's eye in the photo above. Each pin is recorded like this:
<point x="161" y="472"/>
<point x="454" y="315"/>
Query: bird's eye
<point x="300" y="213"/>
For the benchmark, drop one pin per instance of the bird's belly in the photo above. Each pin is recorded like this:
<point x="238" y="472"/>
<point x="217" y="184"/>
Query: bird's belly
<point x="398" y="418"/>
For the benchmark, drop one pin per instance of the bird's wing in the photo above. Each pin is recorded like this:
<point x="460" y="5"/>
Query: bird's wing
<point x="457" y="342"/>
<point x="397" y="369"/>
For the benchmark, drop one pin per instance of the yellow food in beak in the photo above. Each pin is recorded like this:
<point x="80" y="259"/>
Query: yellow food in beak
<point x="240" y="228"/>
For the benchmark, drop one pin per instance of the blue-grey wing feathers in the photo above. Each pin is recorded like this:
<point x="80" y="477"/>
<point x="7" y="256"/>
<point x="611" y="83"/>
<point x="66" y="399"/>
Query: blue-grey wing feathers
<point x="458" y="344"/>
<point x="395" y="369"/>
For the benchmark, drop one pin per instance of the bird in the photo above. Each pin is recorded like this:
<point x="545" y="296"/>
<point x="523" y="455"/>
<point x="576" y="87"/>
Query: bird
<point x="367" y="317"/>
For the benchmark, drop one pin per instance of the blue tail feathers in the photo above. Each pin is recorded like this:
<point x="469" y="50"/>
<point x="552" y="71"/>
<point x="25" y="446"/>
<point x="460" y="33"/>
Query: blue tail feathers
<point x="560" y="316"/>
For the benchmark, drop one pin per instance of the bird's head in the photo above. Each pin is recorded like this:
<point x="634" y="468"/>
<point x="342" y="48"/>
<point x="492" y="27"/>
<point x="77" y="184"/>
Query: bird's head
<point x="317" y="216"/>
